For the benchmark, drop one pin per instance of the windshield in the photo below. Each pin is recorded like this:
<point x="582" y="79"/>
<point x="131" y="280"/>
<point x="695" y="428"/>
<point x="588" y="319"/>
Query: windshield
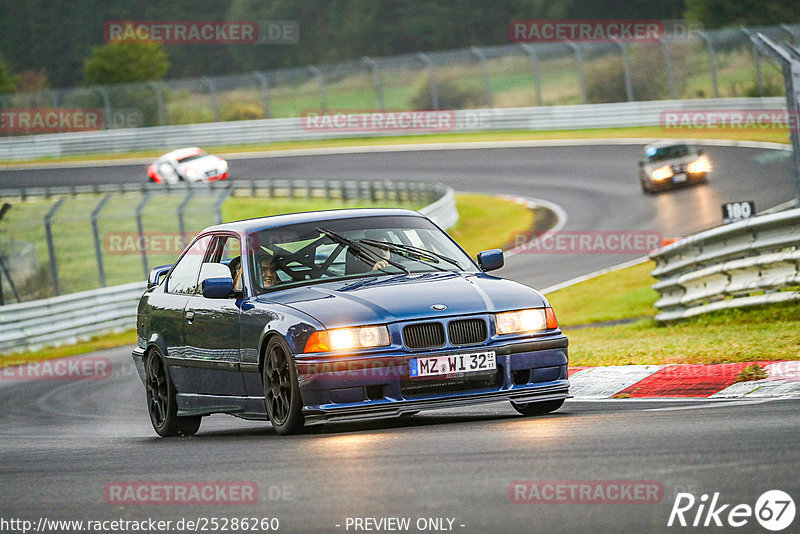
<point x="667" y="152"/>
<point x="192" y="157"/>
<point x="347" y="248"/>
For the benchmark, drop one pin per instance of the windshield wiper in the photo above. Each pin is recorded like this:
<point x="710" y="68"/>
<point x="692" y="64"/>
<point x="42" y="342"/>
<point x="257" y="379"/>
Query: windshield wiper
<point x="360" y="252"/>
<point x="415" y="253"/>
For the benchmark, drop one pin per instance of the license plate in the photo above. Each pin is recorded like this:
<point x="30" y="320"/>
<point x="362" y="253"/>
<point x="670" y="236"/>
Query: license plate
<point x="680" y="177"/>
<point x="452" y="364"/>
<point x="211" y="173"/>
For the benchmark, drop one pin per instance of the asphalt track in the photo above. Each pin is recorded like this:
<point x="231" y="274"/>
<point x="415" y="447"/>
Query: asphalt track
<point x="63" y="441"/>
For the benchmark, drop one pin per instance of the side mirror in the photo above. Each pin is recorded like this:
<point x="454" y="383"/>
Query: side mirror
<point x="489" y="260"/>
<point x="216" y="281"/>
<point x="217" y="288"/>
<point x="157" y="275"/>
<point x="700" y="151"/>
<point x="641" y="163"/>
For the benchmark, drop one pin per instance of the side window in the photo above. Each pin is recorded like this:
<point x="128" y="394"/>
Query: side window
<point x="223" y="260"/>
<point x="183" y="278"/>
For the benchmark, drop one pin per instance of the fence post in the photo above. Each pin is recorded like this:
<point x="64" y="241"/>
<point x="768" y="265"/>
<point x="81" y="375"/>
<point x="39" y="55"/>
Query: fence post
<point x="162" y="114"/>
<point x="106" y="105"/>
<point x="51" y="248"/>
<point x="756" y="62"/>
<point x="181" y="211"/>
<point x="487" y="86"/>
<point x="537" y="82"/>
<point x="673" y="90"/>
<point x="140" y="228"/>
<point x="788" y="29"/>
<point x="98" y="249"/>
<point x="581" y="73"/>
<point x="263" y="83"/>
<point x="623" y="49"/>
<point x="712" y="61"/>
<point x="789" y="58"/>
<point x="316" y="73"/>
<point x="212" y="93"/>
<point x="219" y="202"/>
<point x="375" y="70"/>
<point x="423" y="57"/>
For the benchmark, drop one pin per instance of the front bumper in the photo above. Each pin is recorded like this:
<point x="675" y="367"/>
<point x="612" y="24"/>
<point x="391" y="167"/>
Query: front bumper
<point x="353" y="387"/>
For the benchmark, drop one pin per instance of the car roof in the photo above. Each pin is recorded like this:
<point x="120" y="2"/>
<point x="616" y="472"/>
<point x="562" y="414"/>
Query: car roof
<point x="181" y="153"/>
<point x="670" y="142"/>
<point x="249" y="226"/>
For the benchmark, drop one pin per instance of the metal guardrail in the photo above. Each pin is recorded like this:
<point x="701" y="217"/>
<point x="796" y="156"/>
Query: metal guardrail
<point x="616" y="115"/>
<point x="64" y="319"/>
<point x="747" y="263"/>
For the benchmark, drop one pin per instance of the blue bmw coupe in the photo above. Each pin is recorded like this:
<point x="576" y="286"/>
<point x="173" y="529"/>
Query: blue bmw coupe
<point x="340" y="315"/>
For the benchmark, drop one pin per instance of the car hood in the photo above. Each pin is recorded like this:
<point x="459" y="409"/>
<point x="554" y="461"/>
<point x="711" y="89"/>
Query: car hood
<point x="685" y="160"/>
<point x="385" y="299"/>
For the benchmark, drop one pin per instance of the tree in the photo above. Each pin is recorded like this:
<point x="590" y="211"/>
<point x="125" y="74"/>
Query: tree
<point x="718" y="13"/>
<point x="125" y="63"/>
<point x="8" y="82"/>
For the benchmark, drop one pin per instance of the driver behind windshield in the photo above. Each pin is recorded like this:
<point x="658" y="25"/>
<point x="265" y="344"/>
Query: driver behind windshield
<point x="266" y="270"/>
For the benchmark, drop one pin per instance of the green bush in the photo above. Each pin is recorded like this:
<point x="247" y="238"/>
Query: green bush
<point x="242" y="111"/>
<point x="452" y="95"/>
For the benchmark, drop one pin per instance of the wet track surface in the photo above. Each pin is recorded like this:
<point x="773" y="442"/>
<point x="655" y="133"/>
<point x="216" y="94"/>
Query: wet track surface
<point x="63" y="441"/>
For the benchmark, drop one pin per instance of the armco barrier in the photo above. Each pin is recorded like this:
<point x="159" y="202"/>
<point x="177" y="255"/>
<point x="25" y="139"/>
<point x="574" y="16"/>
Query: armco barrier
<point x="65" y="319"/>
<point x="616" y="115"/>
<point x="747" y="263"/>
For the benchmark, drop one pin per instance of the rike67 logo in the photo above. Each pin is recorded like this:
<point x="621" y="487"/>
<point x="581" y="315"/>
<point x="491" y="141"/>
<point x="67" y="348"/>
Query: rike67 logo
<point x="774" y="510"/>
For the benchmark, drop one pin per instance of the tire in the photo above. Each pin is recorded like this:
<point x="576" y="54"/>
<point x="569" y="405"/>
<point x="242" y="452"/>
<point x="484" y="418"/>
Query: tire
<point x="538" y="408"/>
<point x="161" y="403"/>
<point x="281" y="392"/>
<point x="645" y="188"/>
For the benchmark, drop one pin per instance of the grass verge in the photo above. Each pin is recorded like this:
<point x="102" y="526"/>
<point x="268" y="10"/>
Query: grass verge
<point x="739" y="335"/>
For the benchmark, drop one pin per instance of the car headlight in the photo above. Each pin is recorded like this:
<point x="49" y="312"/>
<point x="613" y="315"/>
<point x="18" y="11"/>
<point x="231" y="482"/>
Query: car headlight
<point x="520" y="321"/>
<point x="662" y="173"/>
<point x="191" y="172"/>
<point x="361" y="337"/>
<point x="699" y="165"/>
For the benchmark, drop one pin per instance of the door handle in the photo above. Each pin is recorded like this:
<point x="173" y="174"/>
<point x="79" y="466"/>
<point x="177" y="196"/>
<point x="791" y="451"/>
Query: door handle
<point x="189" y="316"/>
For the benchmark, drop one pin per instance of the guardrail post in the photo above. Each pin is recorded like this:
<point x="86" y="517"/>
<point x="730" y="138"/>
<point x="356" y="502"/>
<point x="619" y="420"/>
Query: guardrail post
<point x="581" y="73"/>
<point x="423" y="57"/>
<point x="375" y="70"/>
<point x="626" y="64"/>
<point x="219" y="202"/>
<point x="673" y="91"/>
<point x="316" y="73"/>
<point x="263" y="84"/>
<point x="162" y="114"/>
<point x="712" y="61"/>
<point x="343" y="189"/>
<point x="51" y="248"/>
<point x="212" y="94"/>
<point x="373" y="197"/>
<point x="537" y="83"/>
<point x="98" y="249"/>
<point x="327" y="190"/>
<point x="487" y="86"/>
<point x="140" y="229"/>
<point x="182" y="210"/>
<point x="290" y="187"/>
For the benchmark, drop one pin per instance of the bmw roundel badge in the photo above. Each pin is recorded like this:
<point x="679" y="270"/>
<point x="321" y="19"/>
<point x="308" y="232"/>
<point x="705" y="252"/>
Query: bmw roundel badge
<point x="439" y="307"/>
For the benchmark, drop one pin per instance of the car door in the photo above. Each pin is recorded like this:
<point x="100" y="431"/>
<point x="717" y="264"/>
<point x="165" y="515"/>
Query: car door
<point x="212" y="327"/>
<point x="167" y="309"/>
